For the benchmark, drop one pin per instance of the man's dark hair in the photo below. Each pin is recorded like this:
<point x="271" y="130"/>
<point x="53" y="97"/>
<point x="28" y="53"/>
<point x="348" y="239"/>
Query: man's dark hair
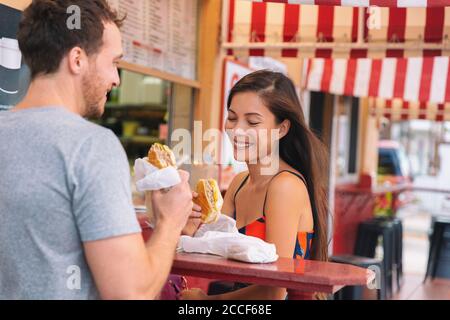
<point x="45" y="37"/>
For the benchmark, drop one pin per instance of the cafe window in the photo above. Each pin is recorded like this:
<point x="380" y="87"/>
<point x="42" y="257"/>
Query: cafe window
<point x="346" y="131"/>
<point x="145" y="110"/>
<point x="137" y="112"/>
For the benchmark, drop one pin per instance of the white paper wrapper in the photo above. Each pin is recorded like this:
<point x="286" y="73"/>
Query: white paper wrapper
<point x="223" y="239"/>
<point x="149" y="178"/>
<point x="223" y="224"/>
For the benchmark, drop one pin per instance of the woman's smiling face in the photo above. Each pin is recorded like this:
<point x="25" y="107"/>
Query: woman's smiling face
<point x="250" y="126"/>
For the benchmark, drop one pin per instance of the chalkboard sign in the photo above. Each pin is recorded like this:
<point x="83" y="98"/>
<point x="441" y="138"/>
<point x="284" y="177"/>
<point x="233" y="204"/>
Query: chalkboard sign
<point x="14" y="74"/>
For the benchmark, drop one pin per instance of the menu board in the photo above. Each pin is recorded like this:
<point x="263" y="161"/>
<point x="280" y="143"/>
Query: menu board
<point x="160" y="34"/>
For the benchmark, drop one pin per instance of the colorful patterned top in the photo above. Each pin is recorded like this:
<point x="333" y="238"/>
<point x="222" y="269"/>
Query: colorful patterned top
<point x="257" y="228"/>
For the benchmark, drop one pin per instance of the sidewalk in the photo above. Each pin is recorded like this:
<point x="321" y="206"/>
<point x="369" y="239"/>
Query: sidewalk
<point x="416" y="226"/>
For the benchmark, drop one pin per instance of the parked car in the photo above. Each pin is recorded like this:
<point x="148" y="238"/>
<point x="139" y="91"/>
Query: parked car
<point x="394" y="168"/>
<point x="393" y="163"/>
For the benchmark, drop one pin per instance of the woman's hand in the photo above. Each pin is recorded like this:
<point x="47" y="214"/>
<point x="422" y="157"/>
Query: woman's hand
<point x="193" y="294"/>
<point x="194" y="220"/>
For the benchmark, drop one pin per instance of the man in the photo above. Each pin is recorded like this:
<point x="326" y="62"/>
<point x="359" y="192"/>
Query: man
<point x="68" y="229"/>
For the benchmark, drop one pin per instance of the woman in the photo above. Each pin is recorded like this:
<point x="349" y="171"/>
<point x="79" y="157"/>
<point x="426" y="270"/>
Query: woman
<point x="287" y="206"/>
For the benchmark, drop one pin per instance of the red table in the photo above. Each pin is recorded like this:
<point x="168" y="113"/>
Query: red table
<point x="300" y="277"/>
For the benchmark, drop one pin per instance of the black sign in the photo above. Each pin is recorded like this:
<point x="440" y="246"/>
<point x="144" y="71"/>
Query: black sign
<point x="14" y="74"/>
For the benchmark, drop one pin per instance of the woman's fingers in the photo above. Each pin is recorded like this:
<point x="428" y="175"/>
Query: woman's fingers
<point x="195" y="215"/>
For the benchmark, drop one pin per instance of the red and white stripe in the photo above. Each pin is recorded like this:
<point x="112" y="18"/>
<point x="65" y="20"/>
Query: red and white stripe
<point x="367" y="3"/>
<point x="398" y="110"/>
<point x="418" y="79"/>
<point x="275" y="27"/>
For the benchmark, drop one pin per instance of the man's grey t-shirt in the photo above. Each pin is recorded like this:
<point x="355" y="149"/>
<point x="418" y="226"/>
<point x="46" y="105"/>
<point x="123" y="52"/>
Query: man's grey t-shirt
<point x="63" y="181"/>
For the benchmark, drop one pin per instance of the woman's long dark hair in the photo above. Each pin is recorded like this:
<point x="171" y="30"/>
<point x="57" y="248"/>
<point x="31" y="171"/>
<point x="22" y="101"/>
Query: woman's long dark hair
<point x="299" y="148"/>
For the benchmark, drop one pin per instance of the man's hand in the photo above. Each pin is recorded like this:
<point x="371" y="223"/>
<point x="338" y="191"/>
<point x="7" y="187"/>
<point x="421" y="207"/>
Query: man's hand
<point x="173" y="208"/>
<point x="194" y="221"/>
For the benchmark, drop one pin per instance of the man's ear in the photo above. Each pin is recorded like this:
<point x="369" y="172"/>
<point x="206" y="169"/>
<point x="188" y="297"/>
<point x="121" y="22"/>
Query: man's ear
<point x="76" y="60"/>
<point x="284" y="128"/>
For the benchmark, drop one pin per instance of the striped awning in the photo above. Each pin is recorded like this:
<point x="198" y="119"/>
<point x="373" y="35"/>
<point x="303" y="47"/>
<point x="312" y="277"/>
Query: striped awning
<point x="399" y="110"/>
<point x="293" y="30"/>
<point x="367" y="3"/>
<point x="418" y="79"/>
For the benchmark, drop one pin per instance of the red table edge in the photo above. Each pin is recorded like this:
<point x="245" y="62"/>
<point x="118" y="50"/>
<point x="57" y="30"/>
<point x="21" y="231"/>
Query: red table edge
<point x="291" y="286"/>
<point x="318" y="284"/>
<point x="296" y="289"/>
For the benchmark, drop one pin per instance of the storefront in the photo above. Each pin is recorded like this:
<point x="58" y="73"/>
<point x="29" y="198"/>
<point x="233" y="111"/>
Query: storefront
<point x="158" y="72"/>
<point x="358" y="65"/>
<point x="166" y="79"/>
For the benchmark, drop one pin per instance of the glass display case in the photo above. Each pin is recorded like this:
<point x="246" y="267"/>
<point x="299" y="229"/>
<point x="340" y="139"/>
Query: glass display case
<point x="145" y="109"/>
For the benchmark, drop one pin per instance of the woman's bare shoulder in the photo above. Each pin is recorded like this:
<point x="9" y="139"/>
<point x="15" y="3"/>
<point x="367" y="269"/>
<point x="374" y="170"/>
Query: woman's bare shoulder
<point x="287" y="184"/>
<point x="289" y="179"/>
<point x="287" y="194"/>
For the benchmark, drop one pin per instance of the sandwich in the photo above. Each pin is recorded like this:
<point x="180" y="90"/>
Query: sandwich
<point x="209" y="199"/>
<point x="161" y="156"/>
